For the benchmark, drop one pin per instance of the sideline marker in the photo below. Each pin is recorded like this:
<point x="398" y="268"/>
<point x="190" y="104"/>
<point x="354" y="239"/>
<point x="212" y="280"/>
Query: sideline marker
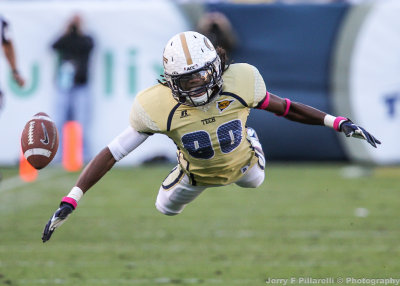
<point x="26" y="172"/>
<point x="72" y="151"/>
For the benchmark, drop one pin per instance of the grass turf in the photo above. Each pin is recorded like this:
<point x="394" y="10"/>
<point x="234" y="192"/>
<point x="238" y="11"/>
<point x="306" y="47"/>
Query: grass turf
<point x="300" y="223"/>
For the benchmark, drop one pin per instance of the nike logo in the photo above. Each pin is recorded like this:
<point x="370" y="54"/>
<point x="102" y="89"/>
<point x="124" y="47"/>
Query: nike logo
<point x="45" y="140"/>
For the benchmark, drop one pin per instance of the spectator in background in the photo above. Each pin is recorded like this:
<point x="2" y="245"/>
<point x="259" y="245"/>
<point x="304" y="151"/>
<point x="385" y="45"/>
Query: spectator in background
<point x="9" y="53"/>
<point x="74" y="98"/>
<point x="218" y="29"/>
<point x="8" y="48"/>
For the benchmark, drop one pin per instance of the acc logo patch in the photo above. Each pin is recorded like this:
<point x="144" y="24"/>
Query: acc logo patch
<point x="224" y="104"/>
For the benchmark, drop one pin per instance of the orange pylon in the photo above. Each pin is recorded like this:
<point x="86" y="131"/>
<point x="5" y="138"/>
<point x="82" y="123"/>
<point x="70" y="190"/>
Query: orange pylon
<point x="72" y="156"/>
<point x="26" y="172"/>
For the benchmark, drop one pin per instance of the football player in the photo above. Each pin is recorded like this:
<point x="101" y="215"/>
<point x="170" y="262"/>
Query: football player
<point x="202" y="105"/>
<point x="8" y="49"/>
<point x="9" y="53"/>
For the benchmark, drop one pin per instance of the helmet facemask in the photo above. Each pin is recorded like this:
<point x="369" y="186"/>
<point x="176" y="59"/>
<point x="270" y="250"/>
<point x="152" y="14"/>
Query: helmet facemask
<point x="198" y="87"/>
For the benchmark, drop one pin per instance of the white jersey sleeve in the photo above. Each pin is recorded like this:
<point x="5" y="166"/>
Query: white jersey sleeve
<point x="126" y="142"/>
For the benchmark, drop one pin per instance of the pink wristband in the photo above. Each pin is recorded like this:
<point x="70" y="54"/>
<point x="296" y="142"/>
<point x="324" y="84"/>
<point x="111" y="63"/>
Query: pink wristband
<point x="70" y="201"/>
<point x="336" y="123"/>
<point x="288" y="102"/>
<point x="265" y="104"/>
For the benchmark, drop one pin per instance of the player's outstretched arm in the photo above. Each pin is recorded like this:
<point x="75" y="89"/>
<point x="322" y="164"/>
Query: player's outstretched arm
<point x="308" y="115"/>
<point x="92" y="173"/>
<point x="9" y="52"/>
<point x="121" y="146"/>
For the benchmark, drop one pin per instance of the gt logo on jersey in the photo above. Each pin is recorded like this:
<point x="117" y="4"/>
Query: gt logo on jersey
<point x="224" y="104"/>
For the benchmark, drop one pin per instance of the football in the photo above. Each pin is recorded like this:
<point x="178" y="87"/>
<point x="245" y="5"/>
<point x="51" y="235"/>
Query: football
<point x="39" y="140"/>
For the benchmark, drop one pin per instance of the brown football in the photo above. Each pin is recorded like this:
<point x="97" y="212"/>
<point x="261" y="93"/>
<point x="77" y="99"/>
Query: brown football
<point x="39" y="140"/>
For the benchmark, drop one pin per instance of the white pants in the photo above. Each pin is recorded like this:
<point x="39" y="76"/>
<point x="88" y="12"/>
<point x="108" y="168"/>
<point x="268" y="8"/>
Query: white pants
<point x="176" y="191"/>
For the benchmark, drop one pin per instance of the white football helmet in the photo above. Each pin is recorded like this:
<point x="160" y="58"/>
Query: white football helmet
<point x="192" y="68"/>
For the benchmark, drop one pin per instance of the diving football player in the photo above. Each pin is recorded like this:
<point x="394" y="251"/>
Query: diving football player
<point x="203" y="106"/>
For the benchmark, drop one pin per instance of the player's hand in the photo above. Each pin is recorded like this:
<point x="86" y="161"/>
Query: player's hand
<point x="352" y="130"/>
<point x="18" y="78"/>
<point x="58" y="218"/>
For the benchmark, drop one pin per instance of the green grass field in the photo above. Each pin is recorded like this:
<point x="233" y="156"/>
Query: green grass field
<point x="300" y="223"/>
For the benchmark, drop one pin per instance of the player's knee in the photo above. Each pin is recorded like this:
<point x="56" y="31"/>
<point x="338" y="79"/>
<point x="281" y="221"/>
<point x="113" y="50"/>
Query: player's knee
<point x="258" y="182"/>
<point x="255" y="182"/>
<point x="165" y="211"/>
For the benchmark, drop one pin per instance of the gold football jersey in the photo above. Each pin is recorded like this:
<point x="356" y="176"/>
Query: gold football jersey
<point x="211" y="139"/>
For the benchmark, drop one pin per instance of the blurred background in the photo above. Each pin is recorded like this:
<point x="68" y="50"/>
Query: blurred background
<point x="338" y="56"/>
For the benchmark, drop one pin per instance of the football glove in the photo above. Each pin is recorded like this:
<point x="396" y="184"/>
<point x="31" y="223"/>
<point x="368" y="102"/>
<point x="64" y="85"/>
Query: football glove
<point x="352" y="130"/>
<point x="58" y="218"/>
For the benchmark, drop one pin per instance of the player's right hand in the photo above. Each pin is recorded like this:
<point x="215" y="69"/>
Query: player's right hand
<point x="18" y="78"/>
<point x="58" y="218"/>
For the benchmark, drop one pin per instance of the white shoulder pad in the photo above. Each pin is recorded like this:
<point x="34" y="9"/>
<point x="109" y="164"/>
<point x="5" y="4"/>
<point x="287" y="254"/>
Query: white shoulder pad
<point x="140" y="120"/>
<point x="126" y="142"/>
<point x="259" y="87"/>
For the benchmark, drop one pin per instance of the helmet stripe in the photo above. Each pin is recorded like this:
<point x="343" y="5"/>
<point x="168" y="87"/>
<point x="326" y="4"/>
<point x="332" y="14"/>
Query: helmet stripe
<point x="185" y="48"/>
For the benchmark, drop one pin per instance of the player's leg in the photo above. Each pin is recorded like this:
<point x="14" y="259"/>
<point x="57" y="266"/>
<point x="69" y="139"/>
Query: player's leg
<point x="254" y="141"/>
<point x="254" y="176"/>
<point x="176" y="192"/>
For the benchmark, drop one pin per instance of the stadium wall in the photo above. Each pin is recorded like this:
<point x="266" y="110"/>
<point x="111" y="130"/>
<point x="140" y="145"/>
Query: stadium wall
<point x="291" y="46"/>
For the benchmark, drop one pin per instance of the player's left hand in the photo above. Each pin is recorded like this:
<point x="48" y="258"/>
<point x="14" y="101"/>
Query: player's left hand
<point x="352" y="130"/>
<point x="58" y="218"/>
